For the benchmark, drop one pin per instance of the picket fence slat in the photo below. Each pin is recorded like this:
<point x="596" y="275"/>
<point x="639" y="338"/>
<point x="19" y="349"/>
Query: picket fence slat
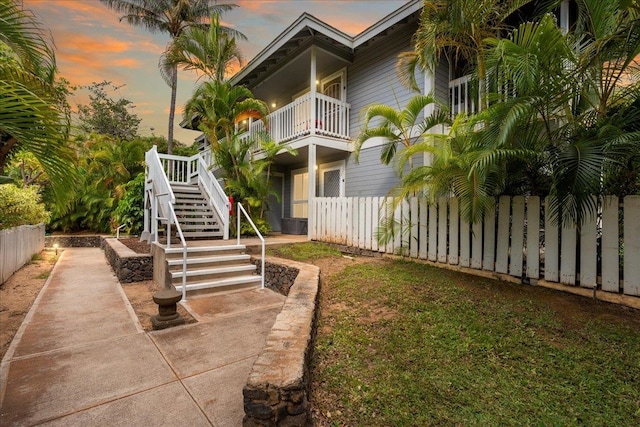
<point x="533" y="237"/>
<point x="610" y="241"/>
<point x="476" y="245"/>
<point x="551" y="246"/>
<point x="589" y="252"/>
<point x="442" y="229"/>
<point x="375" y="212"/>
<point x="465" y="249"/>
<point x="433" y="232"/>
<point x="516" y="236"/>
<point x="422" y="229"/>
<point x="631" y="234"/>
<point x="568" y="255"/>
<point x="502" y="253"/>
<point x="488" y="261"/>
<point x="413" y="244"/>
<point x="454" y="237"/>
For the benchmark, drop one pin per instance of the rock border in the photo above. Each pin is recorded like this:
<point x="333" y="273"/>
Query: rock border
<point x="278" y="387"/>
<point x="128" y="265"/>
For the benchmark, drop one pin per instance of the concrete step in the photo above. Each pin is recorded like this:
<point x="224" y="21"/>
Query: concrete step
<point x="206" y="249"/>
<point x="217" y="259"/>
<point x="225" y="283"/>
<point x="202" y="234"/>
<point x="187" y="226"/>
<point x="215" y="271"/>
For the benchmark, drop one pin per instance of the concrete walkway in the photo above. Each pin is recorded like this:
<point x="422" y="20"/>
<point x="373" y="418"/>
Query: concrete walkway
<point x="81" y="357"/>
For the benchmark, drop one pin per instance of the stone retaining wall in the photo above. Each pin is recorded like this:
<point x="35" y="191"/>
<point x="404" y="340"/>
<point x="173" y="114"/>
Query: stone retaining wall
<point x="277" y="390"/>
<point x="128" y="265"/>
<point x="89" y="241"/>
<point x="277" y="277"/>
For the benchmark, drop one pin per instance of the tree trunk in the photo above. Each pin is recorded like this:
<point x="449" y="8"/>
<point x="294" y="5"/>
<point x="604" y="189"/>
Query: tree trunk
<point x="172" y="108"/>
<point x="4" y="152"/>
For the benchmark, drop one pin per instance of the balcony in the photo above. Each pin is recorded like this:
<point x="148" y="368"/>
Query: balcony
<point x="317" y="114"/>
<point x="460" y="98"/>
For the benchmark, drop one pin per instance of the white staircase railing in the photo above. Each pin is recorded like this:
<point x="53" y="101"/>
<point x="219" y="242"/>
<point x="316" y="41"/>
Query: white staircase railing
<point x="163" y="199"/>
<point x="187" y="170"/>
<point x="238" y="232"/>
<point x="214" y="192"/>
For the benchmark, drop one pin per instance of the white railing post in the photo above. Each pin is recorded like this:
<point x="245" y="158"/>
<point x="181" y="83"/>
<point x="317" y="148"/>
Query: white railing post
<point x="241" y="210"/>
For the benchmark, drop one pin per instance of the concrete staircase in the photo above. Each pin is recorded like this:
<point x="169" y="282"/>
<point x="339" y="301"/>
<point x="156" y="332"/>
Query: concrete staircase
<point x="212" y="267"/>
<point x="197" y="218"/>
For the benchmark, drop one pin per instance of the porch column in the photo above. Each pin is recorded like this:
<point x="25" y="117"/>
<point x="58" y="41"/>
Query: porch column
<point x="312" y="190"/>
<point x="312" y="93"/>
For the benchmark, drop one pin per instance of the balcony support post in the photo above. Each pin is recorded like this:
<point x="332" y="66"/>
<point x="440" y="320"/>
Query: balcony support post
<point x="312" y="91"/>
<point x="312" y="189"/>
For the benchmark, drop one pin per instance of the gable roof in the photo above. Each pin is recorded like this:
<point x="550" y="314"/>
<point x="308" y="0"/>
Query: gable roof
<point x="308" y="30"/>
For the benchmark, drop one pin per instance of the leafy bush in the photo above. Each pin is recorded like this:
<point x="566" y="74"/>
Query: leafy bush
<point x="130" y="210"/>
<point x="20" y="206"/>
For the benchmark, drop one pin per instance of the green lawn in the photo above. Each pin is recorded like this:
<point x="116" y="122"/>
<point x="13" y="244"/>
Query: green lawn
<point x="405" y="344"/>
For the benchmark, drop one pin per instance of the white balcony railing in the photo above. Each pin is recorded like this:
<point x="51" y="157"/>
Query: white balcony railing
<point x="294" y="120"/>
<point x="460" y="98"/>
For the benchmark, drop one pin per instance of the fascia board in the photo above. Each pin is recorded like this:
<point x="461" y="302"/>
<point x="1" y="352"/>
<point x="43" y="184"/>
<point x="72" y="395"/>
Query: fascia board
<point x="393" y="18"/>
<point x="305" y="20"/>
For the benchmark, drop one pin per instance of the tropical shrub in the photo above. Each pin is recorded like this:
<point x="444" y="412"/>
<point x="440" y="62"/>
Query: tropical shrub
<point x="21" y="206"/>
<point x="130" y="209"/>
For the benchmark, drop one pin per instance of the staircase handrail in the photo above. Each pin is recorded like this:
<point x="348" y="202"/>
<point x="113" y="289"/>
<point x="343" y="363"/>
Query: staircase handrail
<point x="172" y="217"/>
<point x="158" y="178"/>
<point x="216" y="194"/>
<point x="241" y="209"/>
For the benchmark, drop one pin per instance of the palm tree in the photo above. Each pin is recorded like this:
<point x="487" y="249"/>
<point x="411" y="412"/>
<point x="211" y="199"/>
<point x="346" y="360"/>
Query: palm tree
<point x="212" y="52"/>
<point x="172" y="17"/>
<point x="217" y="107"/>
<point x="32" y="116"/>
<point x="456" y="29"/>
<point x="575" y="100"/>
<point x="400" y="127"/>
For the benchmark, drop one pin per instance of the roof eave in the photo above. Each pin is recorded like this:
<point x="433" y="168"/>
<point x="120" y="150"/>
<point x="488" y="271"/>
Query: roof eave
<point x="305" y="20"/>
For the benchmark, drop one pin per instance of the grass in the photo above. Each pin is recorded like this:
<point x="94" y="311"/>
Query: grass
<point x="304" y="251"/>
<point x="405" y="344"/>
<point x="43" y="275"/>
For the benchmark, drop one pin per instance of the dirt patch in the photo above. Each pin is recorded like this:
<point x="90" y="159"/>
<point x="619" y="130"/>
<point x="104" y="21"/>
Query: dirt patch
<point x="136" y="245"/>
<point x="18" y="293"/>
<point x="140" y="295"/>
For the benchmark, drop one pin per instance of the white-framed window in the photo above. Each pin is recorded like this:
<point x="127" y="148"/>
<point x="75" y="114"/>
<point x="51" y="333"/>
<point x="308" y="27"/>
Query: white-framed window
<point x="300" y="193"/>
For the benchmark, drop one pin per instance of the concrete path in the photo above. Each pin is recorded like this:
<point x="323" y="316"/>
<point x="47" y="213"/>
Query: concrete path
<point x="81" y="357"/>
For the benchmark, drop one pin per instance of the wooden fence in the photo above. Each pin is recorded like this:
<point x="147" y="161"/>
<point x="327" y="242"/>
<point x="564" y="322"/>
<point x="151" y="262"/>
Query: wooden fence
<point x="516" y="238"/>
<point x="17" y="245"/>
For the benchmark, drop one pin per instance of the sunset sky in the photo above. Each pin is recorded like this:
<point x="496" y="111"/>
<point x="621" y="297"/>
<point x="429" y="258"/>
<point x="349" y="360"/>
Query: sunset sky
<point x="92" y="46"/>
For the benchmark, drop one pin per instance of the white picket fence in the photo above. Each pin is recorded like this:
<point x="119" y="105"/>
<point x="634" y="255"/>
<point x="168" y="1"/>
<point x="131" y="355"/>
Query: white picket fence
<point x="516" y="238"/>
<point x="17" y="245"/>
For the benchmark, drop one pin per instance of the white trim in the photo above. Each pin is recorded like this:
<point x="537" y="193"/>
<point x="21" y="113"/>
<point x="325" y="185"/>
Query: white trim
<point x="393" y="18"/>
<point x="305" y="20"/>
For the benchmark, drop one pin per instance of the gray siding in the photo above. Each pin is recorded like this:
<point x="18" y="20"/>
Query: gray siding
<point x="372" y="78"/>
<point x="442" y="82"/>
<point x="369" y="177"/>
